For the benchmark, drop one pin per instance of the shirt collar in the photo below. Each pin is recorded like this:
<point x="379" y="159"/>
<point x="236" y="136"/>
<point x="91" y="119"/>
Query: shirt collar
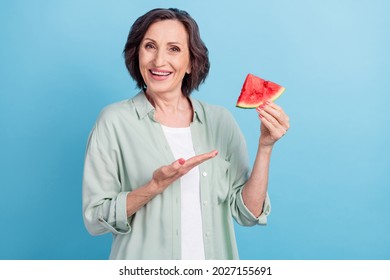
<point x="144" y="107"/>
<point x="198" y="110"/>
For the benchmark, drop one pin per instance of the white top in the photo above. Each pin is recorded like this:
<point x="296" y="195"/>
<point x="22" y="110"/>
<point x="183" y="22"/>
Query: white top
<point x="192" y="247"/>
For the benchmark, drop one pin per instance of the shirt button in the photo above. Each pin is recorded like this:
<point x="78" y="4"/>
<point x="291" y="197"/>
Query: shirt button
<point x="204" y="174"/>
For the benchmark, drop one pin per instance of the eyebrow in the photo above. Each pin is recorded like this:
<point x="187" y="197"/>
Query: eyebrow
<point x="169" y="43"/>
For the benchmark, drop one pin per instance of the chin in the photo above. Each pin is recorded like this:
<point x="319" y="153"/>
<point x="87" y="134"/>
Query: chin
<point x="161" y="89"/>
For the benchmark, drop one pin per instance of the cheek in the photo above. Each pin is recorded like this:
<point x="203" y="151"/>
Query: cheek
<point x="143" y="58"/>
<point x="183" y="63"/>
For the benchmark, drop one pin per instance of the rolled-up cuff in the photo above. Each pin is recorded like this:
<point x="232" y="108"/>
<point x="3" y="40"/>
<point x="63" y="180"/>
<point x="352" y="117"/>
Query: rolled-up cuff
<point x="122" y="223"/>
<point x="262" y="219"/>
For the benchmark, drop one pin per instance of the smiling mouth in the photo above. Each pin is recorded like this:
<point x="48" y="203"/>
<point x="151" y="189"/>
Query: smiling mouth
<point x="160" y="73"/>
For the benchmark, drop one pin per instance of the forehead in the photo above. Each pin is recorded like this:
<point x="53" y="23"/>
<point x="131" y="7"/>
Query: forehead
<point x="167" y="31"/>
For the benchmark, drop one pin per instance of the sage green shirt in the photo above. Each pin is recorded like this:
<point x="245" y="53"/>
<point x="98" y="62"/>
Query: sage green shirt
<point x="124" y="148"/>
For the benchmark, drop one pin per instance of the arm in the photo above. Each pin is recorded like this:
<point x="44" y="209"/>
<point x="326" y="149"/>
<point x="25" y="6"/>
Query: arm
<point x="255" y="190"/>
<point x="274" y="124"/>
<point x="106" y="206"/>
<point x="161" y="179"/>
<point x="104" y="201"/>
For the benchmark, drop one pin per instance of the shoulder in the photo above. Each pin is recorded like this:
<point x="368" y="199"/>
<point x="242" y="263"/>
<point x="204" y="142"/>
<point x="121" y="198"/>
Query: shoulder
<point x="215" y="115"/>
<point x="111" y="122"/>
<point x="115" y="111"/>
<point x="212" y="113"/>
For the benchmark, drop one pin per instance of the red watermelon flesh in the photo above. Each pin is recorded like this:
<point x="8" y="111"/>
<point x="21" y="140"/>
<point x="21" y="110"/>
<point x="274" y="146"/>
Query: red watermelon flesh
<point x="255" y="91"/>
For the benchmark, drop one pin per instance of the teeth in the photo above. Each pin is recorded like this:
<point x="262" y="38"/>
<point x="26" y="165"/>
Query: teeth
<point x="160" y="73"/>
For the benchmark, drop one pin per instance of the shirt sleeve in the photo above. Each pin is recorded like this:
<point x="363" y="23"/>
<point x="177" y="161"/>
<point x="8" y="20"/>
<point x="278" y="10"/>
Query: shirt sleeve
<point x="239" y="173"/>
<point x="104" y="202"/>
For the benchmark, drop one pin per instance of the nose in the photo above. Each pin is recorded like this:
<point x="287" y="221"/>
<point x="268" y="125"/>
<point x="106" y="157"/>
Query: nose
<point x="159" y="59"/>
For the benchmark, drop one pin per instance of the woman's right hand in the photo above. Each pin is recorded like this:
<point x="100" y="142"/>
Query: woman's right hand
<point x="161" y="179"/>
<point x="166" y="175"/>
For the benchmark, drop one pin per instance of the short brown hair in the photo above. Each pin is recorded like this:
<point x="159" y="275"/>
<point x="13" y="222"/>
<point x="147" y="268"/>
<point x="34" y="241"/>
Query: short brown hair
<point x="199" y="59"/>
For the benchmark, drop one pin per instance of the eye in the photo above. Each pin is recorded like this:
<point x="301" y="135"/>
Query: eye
<point x="174" y="49"/>
<point x="149" y="46"/>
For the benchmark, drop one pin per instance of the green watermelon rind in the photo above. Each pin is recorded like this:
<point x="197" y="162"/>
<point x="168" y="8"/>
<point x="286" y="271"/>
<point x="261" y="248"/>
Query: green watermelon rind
<point x="243" y="105"/>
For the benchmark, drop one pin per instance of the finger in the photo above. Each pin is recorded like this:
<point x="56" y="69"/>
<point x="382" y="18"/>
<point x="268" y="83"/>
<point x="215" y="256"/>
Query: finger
<point x="284" y="116"/>
<point x="274" y="105"/>
<point x="196" y="160"/>
<point x="266" y="123"/>
<point x="268" y="117"/>
<point x="274" y="110"/>
<point x="172" y="169"/>
<point x="277" y="114"/>
<point x="276" y="130"/>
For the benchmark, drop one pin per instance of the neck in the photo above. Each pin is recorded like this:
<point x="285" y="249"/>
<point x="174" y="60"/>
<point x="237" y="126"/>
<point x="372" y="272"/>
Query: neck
<point x="173" y="110"/>
<point x="168" y="103"/>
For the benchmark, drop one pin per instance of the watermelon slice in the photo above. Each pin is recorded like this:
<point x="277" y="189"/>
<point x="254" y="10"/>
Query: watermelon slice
<point x="255" y="91"/>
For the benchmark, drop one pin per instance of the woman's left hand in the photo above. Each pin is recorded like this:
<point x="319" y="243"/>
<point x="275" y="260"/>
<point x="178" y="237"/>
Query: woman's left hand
<point x="274" y="123"/>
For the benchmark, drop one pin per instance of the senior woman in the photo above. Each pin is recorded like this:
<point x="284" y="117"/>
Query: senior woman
<point x="164" y="172"/>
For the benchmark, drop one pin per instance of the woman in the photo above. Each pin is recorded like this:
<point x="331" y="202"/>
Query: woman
<point x="165" y="173"/>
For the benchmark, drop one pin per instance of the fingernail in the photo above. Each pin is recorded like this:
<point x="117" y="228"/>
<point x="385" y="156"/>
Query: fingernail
<point x="261" y="116"/>
<point x="262" y="106"/>
<point x="267" y="102"/>
<point x="182" y="161"/>
<point x="216" y="153"/>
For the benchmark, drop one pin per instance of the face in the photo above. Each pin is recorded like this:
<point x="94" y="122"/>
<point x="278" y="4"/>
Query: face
<point x="164" y="57"/>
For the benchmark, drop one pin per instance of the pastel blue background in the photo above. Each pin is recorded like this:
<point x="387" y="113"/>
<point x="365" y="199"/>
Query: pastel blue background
<point x="61" y="63"/>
